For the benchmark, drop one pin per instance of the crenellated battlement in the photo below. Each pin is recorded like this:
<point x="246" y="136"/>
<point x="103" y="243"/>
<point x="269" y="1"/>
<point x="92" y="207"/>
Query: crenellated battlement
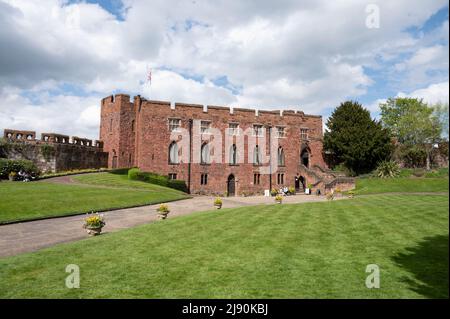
<point x="125" y="98"/>
<point x="50" y="138"/>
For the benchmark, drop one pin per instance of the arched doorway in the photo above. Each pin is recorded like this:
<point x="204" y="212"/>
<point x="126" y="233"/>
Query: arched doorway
<point x="114" y="159"/>
<point x="231" y="185"/>
<point x="304" y="157"/>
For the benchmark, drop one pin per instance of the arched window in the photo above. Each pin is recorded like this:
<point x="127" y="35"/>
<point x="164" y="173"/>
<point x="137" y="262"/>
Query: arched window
<point x="233" y="154"/>
<point x="204" y="154"/>
<point x="173" y="153"/>
<point x="257" y="156"/>
<point x="304" y="157"/>
<point x="280" y="156"/>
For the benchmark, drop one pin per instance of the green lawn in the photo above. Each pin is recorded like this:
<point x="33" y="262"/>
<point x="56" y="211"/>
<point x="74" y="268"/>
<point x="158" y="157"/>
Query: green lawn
<point x="23" y="201"/>
<point x="313" y="250"/>
<point x="401" y="184"/>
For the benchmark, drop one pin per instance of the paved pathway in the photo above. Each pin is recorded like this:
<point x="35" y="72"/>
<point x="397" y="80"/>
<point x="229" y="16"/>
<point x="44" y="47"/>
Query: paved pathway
<point x="34" y="235"/>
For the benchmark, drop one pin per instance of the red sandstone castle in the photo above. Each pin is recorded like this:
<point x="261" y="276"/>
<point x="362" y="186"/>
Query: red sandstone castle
<point x="217" y="150"/>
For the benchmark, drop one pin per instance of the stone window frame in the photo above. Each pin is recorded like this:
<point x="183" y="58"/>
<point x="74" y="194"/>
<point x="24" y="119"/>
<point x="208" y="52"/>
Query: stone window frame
<point x="204" y="179"/>
<point x="205" y="148"/>
<point x="233" y="131"/>
<point x="257" y="156"/>
<point x="277" y="131"/>
<point x="258" y="133"/>
<point x="176" y="153"/>
<point x="174" y="127"/>
<point x="281" y="157"/>
<point x="204" y="130"/>
<point x="234" y="155"/>
<point x="304" y="133"/>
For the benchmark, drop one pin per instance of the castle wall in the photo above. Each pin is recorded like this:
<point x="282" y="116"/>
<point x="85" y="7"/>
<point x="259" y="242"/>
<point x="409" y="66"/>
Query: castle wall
<point x="54" y="152"/>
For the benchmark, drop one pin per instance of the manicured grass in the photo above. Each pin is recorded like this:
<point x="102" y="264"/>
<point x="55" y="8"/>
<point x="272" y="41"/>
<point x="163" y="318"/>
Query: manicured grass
<point x="116" y="180"/>
<point x="24" y="201"/>
<point x="314" y="250"/>
<point x="404" y="185"/>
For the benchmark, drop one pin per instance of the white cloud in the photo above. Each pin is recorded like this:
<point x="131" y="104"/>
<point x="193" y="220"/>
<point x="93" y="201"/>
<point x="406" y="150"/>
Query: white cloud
<point x="310" y="55"/>
<point x="434" y="93"/>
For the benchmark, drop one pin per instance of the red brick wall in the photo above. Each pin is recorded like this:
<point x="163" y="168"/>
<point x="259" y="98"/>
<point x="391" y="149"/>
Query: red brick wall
<point x="150" y="142"/>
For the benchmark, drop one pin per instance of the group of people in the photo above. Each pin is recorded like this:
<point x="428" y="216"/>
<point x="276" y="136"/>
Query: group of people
<point x="284" y="191"/>
<point x="24" y="176"/>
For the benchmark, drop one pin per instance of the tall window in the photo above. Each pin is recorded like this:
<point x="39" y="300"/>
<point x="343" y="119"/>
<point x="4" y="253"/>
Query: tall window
<point x="174" y="125"/>
<point x="257" y="156"/>
<point x="132" y="126"/>
<point x="205" y="127"/>
<point x="233" y="129"/>
<point x="110" y="124"/>
<point x="204" y="154"/>
<point x="280" y="179"/>
<point x="258" y="130"/>
<point x="204" y="179"/>
<point x="256" y="178"/>
<point x="280" y="156"/>
<point x="281" y="132"/>
<point x="304" y="133"/>
<point x="233" y="154"/>
<point x="173" y="153"/>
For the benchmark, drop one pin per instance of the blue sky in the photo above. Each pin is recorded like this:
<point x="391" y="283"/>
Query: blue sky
<point x="64" y="56"/>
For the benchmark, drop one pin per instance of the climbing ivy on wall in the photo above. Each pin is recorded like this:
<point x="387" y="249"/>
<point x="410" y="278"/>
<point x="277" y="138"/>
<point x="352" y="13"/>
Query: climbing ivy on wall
<point x="47" y="151"/>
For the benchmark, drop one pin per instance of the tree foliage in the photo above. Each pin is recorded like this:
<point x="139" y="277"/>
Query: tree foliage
<point x="413" y="123"/>
<point x="355" y="139"/>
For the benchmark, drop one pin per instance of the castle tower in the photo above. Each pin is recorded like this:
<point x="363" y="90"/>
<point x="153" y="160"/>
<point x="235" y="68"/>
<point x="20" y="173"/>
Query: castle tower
<point x="117" y="130"/>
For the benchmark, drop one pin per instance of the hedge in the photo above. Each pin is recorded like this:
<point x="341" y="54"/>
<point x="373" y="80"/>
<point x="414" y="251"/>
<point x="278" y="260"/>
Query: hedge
<point x="7" y="166"/>
<point x="153" y="178"/>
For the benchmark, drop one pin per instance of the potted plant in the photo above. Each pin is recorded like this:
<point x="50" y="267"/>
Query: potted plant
<point x="308" y="189"/>
<point x="163" y="211"/>
<point x="273" y="192"/>
<point x="279" y="199"/>
<point x="93" y="224"/>
<point x="351" y="194"/>
<point x="292" y="190"/>
<point x="12" y="176"/>
<point x="218" y="203"/>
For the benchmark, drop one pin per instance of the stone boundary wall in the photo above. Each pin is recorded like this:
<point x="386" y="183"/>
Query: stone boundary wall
<point x="54" y="152"/>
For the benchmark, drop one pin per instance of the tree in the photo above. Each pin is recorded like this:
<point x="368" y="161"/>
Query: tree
<point x="413" y="123"/>
<point x="355" y="139"/>
<point x="440" y="110"/>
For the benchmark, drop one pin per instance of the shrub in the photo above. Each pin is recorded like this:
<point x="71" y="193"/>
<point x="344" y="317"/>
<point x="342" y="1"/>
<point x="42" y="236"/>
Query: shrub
<point x="152" y="178"/>
<point x="387" y="169"/>
<point x="178" y="184"/>
<point x="7" y="166"/>
<point x="278" y="198"/>
<point x="292" y="190"/>
<point x="273" y="192"/>
<point x="351" y="194"/>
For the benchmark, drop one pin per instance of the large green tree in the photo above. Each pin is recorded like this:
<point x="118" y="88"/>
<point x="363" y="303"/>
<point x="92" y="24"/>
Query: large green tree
<point x="355" y="139"/>
<point x="413" y="123"/>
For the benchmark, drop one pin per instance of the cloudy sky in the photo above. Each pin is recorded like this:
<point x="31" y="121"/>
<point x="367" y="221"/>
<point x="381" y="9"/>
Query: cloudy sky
<point x="59" y="58"/>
